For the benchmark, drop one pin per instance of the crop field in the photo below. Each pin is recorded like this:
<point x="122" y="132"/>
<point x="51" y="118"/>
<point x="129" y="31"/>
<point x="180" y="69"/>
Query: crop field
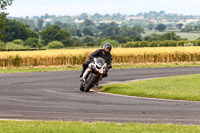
<point x="120" y="55"/>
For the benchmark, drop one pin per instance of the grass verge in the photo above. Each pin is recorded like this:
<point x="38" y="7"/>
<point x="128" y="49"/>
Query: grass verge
<point x="97" y="127"/>
<point x="79" y="67"/>
<point x="177" y="88"/>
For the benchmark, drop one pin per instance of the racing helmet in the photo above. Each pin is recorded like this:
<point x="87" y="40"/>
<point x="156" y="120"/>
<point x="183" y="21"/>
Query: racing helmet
<point x="107" y="47"/>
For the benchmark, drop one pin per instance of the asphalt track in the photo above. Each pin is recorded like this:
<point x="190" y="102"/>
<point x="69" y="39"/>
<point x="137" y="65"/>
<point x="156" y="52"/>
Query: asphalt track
<point x="56" y="96"/>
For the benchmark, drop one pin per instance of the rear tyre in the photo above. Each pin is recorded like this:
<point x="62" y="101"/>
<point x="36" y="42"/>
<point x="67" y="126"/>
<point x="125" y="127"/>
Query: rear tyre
<point x="90" y="83"/>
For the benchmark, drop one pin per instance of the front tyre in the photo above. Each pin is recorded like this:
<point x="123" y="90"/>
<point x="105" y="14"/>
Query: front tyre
<point x="81" y="86"/>
<point x="91" y="83"/>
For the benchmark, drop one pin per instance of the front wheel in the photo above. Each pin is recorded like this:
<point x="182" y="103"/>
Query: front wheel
<point x="81" y="86"/>
<point x="91" y="83"/>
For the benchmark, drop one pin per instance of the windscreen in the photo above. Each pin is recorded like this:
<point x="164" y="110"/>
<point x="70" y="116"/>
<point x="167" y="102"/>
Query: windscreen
<point x="100" y="61"/>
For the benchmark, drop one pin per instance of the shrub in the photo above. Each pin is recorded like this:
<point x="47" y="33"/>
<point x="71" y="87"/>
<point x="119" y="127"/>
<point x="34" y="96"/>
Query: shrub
<point x="34" y="43"/>
<point x="169" y="43"/>
<point x="181" y="43"/>
<point x="55" y="45"/>
<point x="90" y="44"/>
<point x="2" y="45"/>
<point x="189" y="44"/>
<point x="11" y="45"/>
<point x="18" y="41"/>
<point x="113" y="42"/>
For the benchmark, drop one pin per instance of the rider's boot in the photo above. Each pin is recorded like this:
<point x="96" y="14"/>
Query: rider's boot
<point x="81" y="75"/>
<point x="96" y="85"/>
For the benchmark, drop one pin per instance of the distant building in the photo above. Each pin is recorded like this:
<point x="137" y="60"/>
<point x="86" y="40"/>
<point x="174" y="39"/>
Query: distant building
<point x="79" y="21"/>
<point x="153" y="21"/>
<point x="134" y="18"/>
<point x="192" y="20"/>
<point x="48" y="20"/>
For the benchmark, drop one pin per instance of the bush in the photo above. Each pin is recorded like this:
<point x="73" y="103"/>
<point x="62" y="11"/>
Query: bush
<point x="19" y="42"/>
<point x="55" y="45"/>
<point x="2" y="45"/>
<point x="169" y="43"/>
<point x="90" y="44"/>
<point x="144" y="44"/>
<point x="189" y="44"/>
<point x="181" y="43"/>
<point x="34" y="43"/>
<point x="113" y="42"/>
<point x="11" y="45"/>
<point x="76" y="41"/>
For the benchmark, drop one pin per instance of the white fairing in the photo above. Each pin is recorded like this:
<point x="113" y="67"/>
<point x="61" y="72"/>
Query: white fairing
<point x="99" y="65"/>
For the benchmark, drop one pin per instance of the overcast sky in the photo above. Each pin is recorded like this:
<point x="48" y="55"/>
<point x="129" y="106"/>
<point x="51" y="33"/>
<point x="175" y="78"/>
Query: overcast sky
<point x="22" y="8"/>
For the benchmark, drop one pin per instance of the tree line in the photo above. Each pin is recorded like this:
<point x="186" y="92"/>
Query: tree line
<point x="18" y="34"/>
<point x="67" y="35"/>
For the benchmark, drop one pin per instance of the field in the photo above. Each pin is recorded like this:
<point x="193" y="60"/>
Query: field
<point x="83" y="127"/>
<point x="189" y="36"/>
<point x="72" y="57"/>
<point x="177" y="88"/>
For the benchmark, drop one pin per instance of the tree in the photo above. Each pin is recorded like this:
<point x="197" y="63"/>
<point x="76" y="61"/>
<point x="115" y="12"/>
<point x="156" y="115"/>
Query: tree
<point x="102" y="26"/>
<point x="162" y="37"/>
<point x="137" y="31"/>
<point x="88" y="22"/>
<point x="161" y="27"/>
<point x="40" y="24"/>
<point x="87" y="39"/>
<point x="131" y="31"/>
<point x="124" y="39"/>
<point x="179" y="26"/>
<point x="150" y="26"/>
<point x="16" y="30"/>
<point x="3" y="5"/>
<point x="197" y="27"/>
<point x="87" y="31"/>
<point x="55" y="33"/>
<point x="34" y="43"/>
<point x="111" y="30"/>
<point x="84" y="16"/>
<point x="153" y="37"/>
<point x="2" y="24"/>
<point x="188" y="29"/>
<point x="47" y="24"/>
<point x="171" y="36"/>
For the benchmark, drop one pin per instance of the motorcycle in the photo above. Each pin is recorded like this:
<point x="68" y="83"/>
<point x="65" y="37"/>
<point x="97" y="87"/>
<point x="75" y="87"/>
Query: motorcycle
<point x="93" y="74"/>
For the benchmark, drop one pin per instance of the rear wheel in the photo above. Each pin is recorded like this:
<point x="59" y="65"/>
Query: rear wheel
<point x="92" y="80"/>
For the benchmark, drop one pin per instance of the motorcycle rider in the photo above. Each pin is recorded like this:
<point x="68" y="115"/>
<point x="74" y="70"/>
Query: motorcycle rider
<point x="103" y="53"/>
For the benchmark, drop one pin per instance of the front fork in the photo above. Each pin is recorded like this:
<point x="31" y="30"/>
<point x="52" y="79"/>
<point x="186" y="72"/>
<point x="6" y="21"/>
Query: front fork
<point x="86" y="73"/>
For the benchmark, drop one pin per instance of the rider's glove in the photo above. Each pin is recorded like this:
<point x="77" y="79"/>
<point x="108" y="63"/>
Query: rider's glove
<point x="109" y="67"/>
<point x="89" y="61"/>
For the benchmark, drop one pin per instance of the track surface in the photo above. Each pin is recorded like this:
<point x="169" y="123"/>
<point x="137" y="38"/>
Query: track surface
<point x="55" y="96"/>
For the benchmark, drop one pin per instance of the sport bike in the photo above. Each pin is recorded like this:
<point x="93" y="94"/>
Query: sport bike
<point x="93" y="74"/>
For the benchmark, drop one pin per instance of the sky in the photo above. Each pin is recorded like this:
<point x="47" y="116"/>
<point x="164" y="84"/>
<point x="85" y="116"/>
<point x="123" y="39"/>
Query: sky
<point x="22" y="8"/>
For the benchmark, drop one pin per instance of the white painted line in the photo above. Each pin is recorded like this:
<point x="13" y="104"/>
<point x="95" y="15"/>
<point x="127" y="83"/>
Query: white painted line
<point x="14" y="120"/>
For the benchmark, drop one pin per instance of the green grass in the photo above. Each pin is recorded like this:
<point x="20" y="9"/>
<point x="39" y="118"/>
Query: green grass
<point x="20" y="70"/>
<point x="83" y="127"/>
<point x="188" y="35"/>
<point x="177" y="88"/>
<point x="70" y="68"/>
